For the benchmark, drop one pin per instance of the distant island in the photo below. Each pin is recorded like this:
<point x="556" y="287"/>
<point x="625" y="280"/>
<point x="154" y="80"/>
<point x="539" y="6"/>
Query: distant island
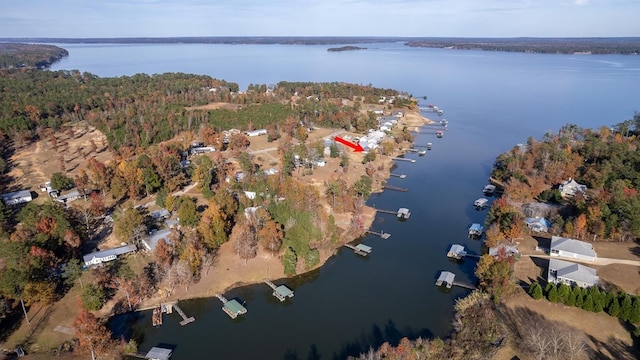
<point x="346" y="48"/>
<point x="16" y="55"/>
<point x="608" y="45"/>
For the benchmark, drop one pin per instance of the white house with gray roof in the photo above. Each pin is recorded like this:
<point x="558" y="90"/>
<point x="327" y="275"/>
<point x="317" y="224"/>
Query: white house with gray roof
<point x="570" y="188"/>
<point x="17" y="197"/>
<point x="573" y="274"/>
<point x="99" y="257"/>
<point x="571" y="248"/>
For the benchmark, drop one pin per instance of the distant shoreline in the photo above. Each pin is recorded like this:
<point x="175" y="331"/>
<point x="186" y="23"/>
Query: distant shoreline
<point x="560" y="45"/>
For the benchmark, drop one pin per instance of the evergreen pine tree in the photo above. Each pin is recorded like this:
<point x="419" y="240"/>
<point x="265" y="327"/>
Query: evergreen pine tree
<point x="579" y="296"/>
<point x="535" y="290"/>
<point x="553" y="295"/>
<point x="588" y="303"/>
<point x="563" y="292"/>
<point x="625" y="308"/>
<point x="614" y="308"/>
<point x="571" y="299"/>
<point x="634" y="317"/>
<point x="597" y="298"/>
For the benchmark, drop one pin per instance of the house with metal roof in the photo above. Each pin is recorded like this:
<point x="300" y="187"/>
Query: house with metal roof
<point x="68" y="197"/>
<point x="569" y="273"/>
<point x="570" y="188"/>
<point x="99" y="257"/>
<point x="18" y="197"/>
<point x="538" y="224"/>
<point x="571" y="248"/>
<point x="155" y="237"/>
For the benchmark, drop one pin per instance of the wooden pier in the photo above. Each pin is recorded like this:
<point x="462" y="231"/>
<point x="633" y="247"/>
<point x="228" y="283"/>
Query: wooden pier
<point x="447" y="278"/>
<point x="401" y="176"/>
<point x="404" y="159"/>
<point x="382" y="234"/>
<point x="232" y="307"/>
<point x="185" y="320"/>
<point x="360" y="249"/>
<point x="396" y="188"/>
<point x="281" y="292"/>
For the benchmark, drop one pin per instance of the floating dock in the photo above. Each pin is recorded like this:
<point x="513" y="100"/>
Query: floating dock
<point x="447" y="278"/>
<point x="476" y="230"/>
<point x="403" y="213"/>
<point x="232" y="307"/>
<point x="360" y="249"/>
<point x="401" y="176"/>
<point x="456" y="251"/>
<point x="382" y="234"/>
<point x="481" y="203"/>
<point x="396" y="188"/>
<point x="404" y="159"/>
<point x="281" y="292"/>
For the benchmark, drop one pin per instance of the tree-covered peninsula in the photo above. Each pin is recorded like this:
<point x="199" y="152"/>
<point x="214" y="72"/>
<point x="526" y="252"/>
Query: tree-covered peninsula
<point x="16" y="55"/>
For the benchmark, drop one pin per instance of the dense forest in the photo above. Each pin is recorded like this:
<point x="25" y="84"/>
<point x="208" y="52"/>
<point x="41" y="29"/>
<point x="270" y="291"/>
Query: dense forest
<point x="16" y="55"/>
<point x="623" y="45"/>
<point x="536" y="45"/>
<point x="141" y="110"/>
<point x="606" y="160"/>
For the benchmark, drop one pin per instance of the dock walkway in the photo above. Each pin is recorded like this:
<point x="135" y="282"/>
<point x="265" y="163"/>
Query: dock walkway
<point x="404" y="159"/>
<point x="185" y="320"/>
<point x="382" y="234"/>
<point x="396" y="188"/>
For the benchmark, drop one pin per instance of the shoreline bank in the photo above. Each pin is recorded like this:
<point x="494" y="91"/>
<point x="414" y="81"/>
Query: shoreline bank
<point x="217" y="279"/>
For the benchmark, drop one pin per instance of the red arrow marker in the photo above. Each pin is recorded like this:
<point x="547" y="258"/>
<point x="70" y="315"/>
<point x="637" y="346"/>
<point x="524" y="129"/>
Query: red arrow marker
<point x="355" y="147"/>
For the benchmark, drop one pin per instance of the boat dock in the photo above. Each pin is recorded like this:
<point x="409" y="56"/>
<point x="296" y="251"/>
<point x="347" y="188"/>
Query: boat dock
<point x="156" y="316"/>
<point x="419" y="152"/>
<point x="447" y="278"/>
<point x="382" y="234"/>
<point x="401" y="176"/>
<point x="185" y="320"/>
<point x="404" y="159"/>
<point x="360" y="249"/>
<point x="281" y="292"/>
<point x="401" y="213"/>
<point x="396" y="188"/>
<point x="458" y="252"/>
<point x="232" y="307"/>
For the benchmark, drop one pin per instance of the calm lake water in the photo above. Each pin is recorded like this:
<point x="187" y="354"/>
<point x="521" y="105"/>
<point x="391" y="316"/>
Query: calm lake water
<point x="492" y="102"/>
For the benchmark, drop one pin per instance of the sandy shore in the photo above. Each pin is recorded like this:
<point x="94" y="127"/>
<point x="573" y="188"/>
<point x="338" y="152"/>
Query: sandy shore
<point x="229" y="271"/>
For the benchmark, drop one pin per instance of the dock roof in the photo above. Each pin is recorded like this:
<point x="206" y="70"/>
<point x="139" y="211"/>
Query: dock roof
<point x="363" y="247"/>
<point x="457" y="249"/>
<point x="235" y="307"/>
<point x="284" y="291"/>
<point x="158" y="353"/>
<point x="446" y="277"/>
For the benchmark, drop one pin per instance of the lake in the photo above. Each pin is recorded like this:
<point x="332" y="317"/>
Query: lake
<point x="492" y="102"/>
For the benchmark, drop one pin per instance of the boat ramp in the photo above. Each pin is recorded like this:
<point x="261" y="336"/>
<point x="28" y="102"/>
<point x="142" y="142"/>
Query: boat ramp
<point x="232" y="307"/>
<point x="360" y="249"/>
<point x="448" y="279"/>
<point x="281" y="292"/>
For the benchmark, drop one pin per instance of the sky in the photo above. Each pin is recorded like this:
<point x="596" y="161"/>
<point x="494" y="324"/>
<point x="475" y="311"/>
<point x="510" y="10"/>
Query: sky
<point x="402" y="18"/>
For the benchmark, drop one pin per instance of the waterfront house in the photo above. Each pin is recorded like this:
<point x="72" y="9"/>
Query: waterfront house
<point x="538" y="224"/>
<point x="99" y="257"/>
<point x="572" y="274"/>
<point x="571" y="248"/>
<point x="256" y="132"/>
<point x="18" y="197"/>
<point x="504" y="249"/>
<point x="570" y="188"/>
